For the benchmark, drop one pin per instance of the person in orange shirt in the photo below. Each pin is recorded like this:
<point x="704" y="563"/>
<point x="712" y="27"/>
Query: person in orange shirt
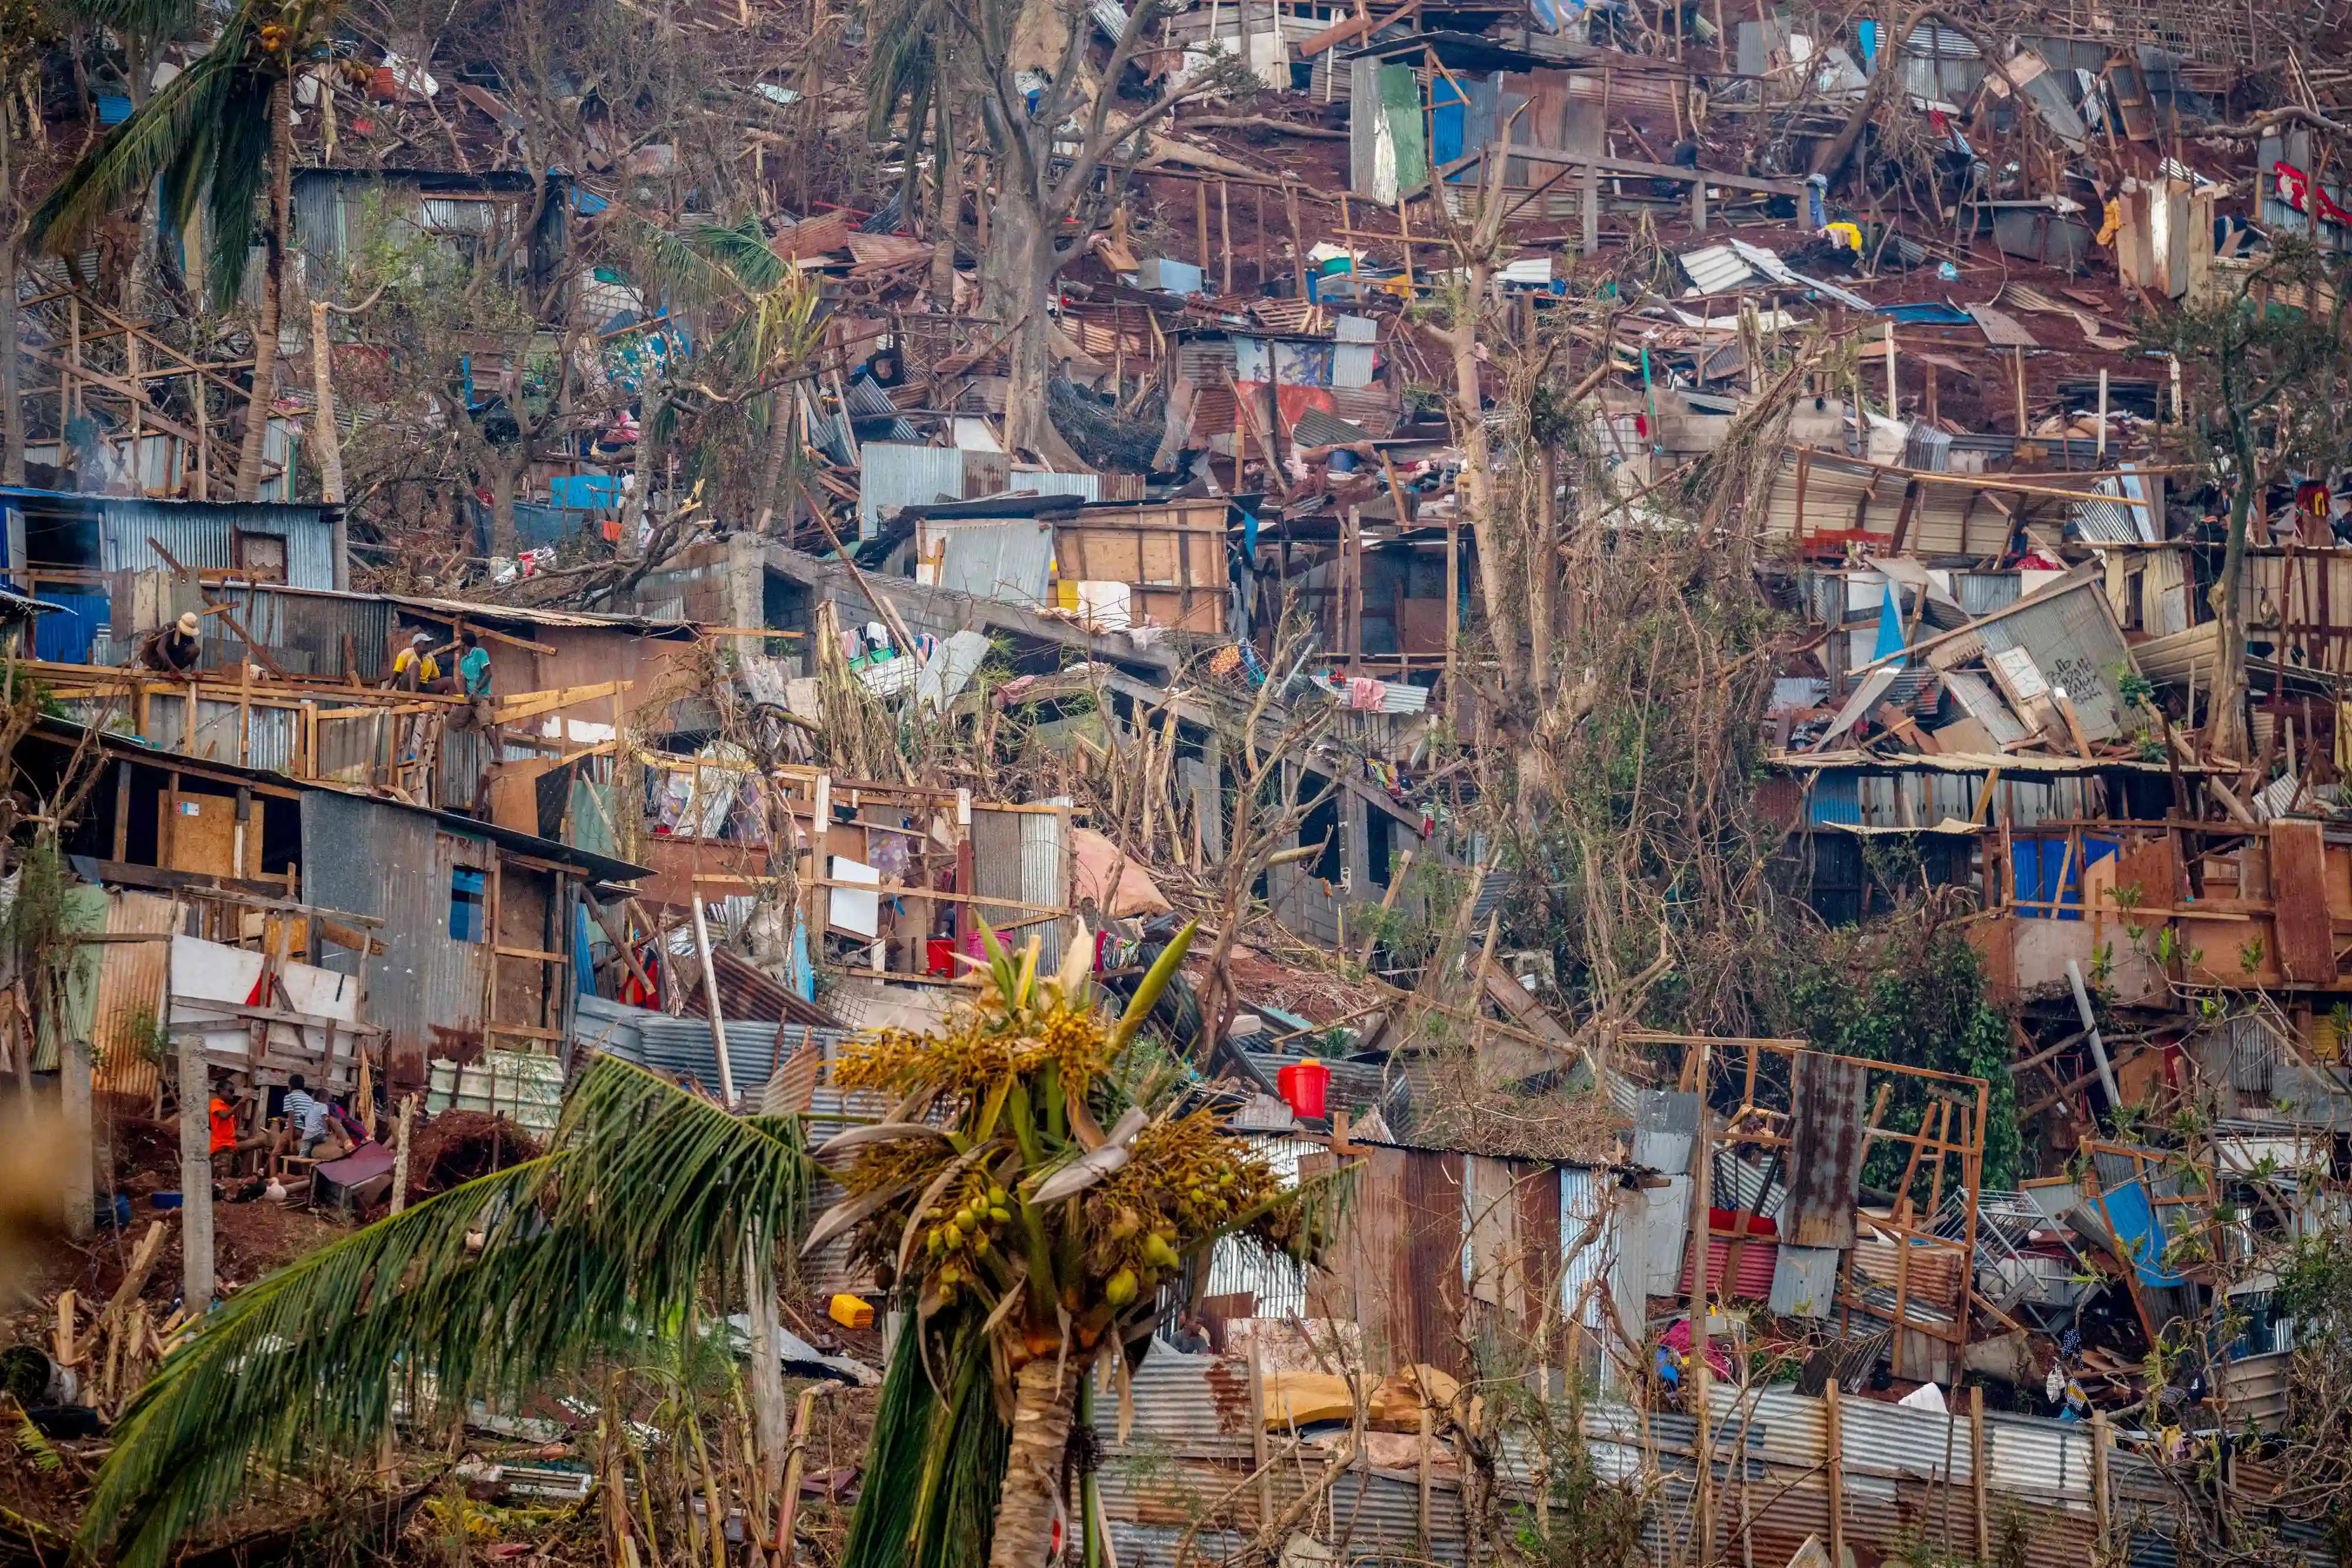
<point x="224" y="1114"/>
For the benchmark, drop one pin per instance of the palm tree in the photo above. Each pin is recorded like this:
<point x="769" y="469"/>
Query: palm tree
<point x="1031" y="1244"/>
<point x="611" y="1240"/>
<point x="649" y="1201"/>
<point x="212" y="138"/>
<point x="722" y="268"/>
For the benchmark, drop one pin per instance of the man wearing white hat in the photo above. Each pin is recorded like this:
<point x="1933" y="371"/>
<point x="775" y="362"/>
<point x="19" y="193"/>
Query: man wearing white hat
<point x="176" y="648"/>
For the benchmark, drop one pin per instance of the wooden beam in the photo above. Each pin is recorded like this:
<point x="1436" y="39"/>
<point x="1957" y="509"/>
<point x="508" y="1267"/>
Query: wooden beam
<point x="530" y="705"/>
<point x="1624" y="166"/>
<point x="1338" y="33"/>
<point x="468" y="624"/>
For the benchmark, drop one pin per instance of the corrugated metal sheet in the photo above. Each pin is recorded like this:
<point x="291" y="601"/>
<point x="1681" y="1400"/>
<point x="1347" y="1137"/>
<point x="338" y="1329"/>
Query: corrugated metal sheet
<point x="1767" y="264"/>
<point x="1975" y="696"/>
<point x="1011" y="562"/>
<point x="868" y="401"/>
<point x="2072" y="634"/>
<point x="1190" y="1444"/>
<point x="1929" y="41"/>
<point x="747" y="993"/>
<point x="599" y="1023"/>
<point x="316" y="630"/>
<point x="1045" y="481"/>
<point x="1278" y="1284"/>
<point x="1313" y="427"/>
<point x="1025" y="856"/>
<point x="1584" y="1198"/>
<point x="271" y="735"/>
<point x="1396" y="697"/>
<point x="1715" y="269"/>
<point x="1843" y="494"/>
<point x="1046" y="869"/>
<point x="1927" y="447"/>
<point x="371" y="857"/>
<point x="1804" y="1281"/>
<point x="1920" y="800"/>
<point x="130" y="980"/>
<point x="1908" y="1476"/>
<point x="682" y="1048"/>
<point x="459" y="766"/>
<point x="2112" y="522"/>
<point x="352" y="750"/>
<point x="1665" y="1124"/>
<point x="1982" y="592"/>
<point x="1355" y="1086"/>
<point x="203" y="534"/>
<point x="1825" y="1149"/>
<point x="896" y="475"/>
<point x="525" y="1088"/>
<point x="1740" y="1183"/>
<point x="1754" y="1278"/>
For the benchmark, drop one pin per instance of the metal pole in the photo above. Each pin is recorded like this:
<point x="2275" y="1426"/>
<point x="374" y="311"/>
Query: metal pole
<point x="2098" y="1046"/>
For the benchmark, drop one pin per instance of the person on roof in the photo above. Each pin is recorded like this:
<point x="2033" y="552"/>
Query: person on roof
<point x="474" y="681"/>
<point x="415" y="669"/>
<point x="175" y="649"/>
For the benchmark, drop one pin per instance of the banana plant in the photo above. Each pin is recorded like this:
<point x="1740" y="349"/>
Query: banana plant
<point x="1029" y="1243"/>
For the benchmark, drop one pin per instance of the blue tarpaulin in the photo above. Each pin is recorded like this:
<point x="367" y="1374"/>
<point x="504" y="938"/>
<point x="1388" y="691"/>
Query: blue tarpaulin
<point x="583" y="959"/>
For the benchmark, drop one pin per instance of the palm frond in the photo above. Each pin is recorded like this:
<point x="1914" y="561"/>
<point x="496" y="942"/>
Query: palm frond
<point x="153" y="20"/>
<point x="742" y="249"/>
<point x="1155" y="980"/>
<point x="691" y="1176"/>
<point x="905" y="63"/>
<point x="158" y="139"/>
<point x="683" y="271"/>
<point x="480" y="1292"/>
<point x="237" y="171"/>
<point x="935" y="1463"/>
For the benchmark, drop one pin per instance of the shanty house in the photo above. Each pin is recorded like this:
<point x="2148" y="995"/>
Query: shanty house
<point x="84" y="553"/>
<point x="462" y="934"/>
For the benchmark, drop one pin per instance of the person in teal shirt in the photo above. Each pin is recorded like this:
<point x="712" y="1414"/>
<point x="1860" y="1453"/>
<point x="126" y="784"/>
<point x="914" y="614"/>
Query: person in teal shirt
<point x="473" y="678"/>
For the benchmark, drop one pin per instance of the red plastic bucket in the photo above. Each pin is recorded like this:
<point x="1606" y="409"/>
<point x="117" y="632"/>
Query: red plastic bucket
<point x="1304" y="1084"/>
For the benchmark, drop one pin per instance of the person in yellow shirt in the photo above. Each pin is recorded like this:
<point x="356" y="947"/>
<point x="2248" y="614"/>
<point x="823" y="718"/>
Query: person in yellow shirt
<point x="415" y="669"/>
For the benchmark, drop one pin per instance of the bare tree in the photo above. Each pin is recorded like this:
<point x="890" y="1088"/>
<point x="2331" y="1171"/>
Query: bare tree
<point x="1062" y="143"/>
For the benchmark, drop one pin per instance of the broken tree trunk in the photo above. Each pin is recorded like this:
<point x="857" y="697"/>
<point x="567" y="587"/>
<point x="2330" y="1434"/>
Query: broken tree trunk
<point x="1477" y="483"/>
<point x="769" y="1416"/>
<point x="323" y="421"/>
<point x="1830" y="157"/>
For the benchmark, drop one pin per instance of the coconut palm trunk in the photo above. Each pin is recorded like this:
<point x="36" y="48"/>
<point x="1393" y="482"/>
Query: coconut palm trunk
<point x="12" y="387"/>
<point x="252" y="456"/>
<point x="1045" y="1402"/>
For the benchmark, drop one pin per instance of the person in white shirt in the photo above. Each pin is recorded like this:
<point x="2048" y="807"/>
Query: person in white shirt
<point x="307" y="1128"/>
